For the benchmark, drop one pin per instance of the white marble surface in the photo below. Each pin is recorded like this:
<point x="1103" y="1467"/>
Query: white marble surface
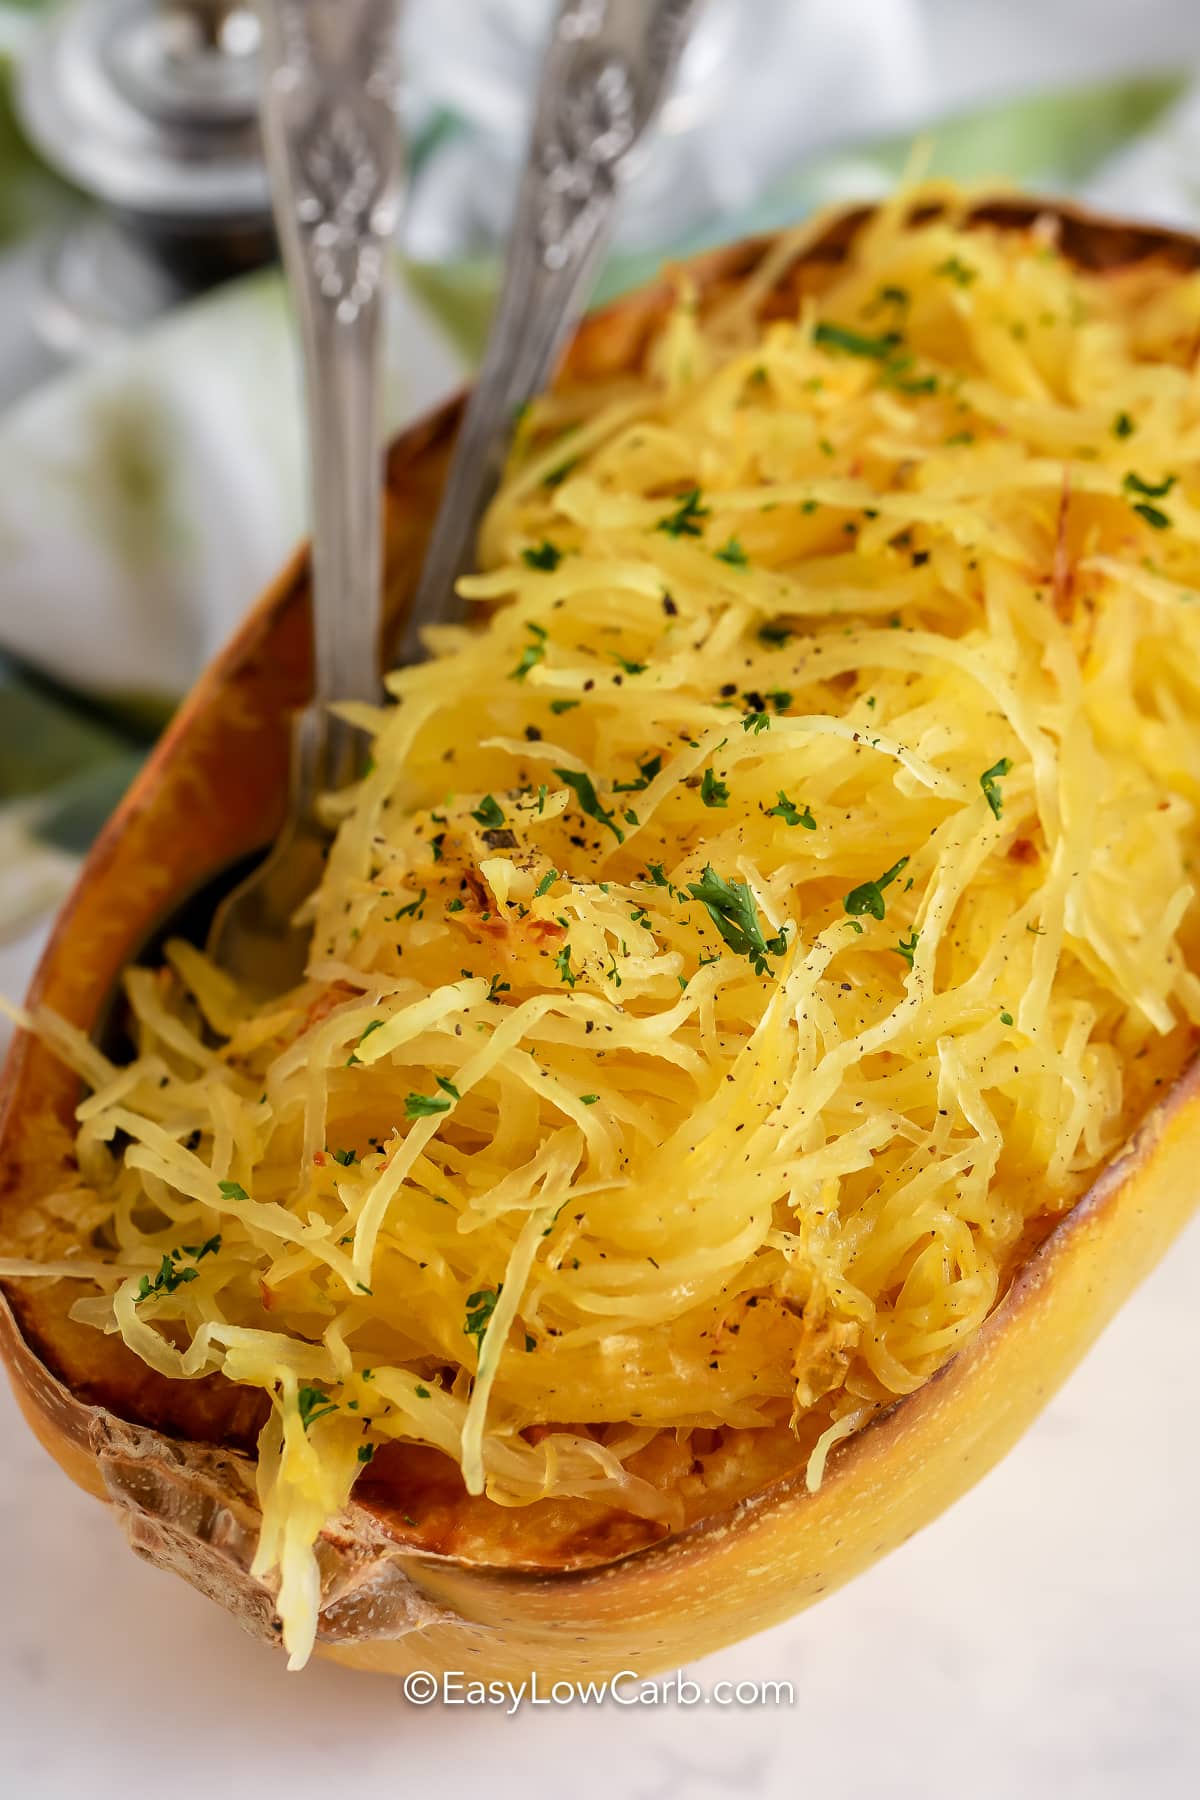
<point x="1043" y="1638"/>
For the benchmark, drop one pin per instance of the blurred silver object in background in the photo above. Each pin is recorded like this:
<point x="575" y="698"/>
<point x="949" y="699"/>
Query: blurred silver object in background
<point x="150" y="107"/>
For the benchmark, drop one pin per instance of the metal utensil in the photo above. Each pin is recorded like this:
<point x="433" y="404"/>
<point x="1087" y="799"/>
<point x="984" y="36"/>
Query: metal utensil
<point x="334" y="153"/>
<point x="608" y="68"/>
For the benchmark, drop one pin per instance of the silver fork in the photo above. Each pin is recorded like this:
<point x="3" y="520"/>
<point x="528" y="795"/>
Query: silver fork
<point x="607" y="71"/>
<point x="333" y="149"/>
<point x="333" y="145"/>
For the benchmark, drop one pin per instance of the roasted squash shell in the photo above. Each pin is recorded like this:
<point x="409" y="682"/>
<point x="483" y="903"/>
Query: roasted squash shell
<point x="175" y="1462"/>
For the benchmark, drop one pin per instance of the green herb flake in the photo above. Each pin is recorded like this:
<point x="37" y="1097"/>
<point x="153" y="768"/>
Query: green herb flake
<point x="374" y="1025"/>
<point x="447" y="1087"/>
<point x="730" y="906"/>
<point x="1006" y="1018"/>
<point x="588" y="1099"/>
<point x="646" y="773"/>
<point x="562" y="963"/>
<point x="455" y="906"/>
<point x="413" y="907"/>
<point x="545" y="556"/>
<point x="1153" y="515"/>
<point x="233" y="1190"/>
<point x="366" y="1453"/>
<point x="867" y="898"/>
<point x="855" y="343"/>
<point x="531" y="656"/>
<point x="313" y="1404"/>
<point x="957" y="271"/>
<point x="480" y="1307"/>
<point x="989" y="781"/>
<point x="907" y="947"/>
<point x="489" y="813"/>
<point x="685" y="520"/>
<point x="345" y="1157"/>
<point x="424" y="1106"/>
<point x="421" y="1391"/>
<point x="589" y="803"/>
<point x="545" y="884"/>
<point x="1123" y="426"/>
<point x="558" y="707"/>
<point x="756" y="722"/>
<point x="1149" y="490"/>
<point x="731" y="552"/>
<point x="791" y="814"/>
<point x="712" y="791"/>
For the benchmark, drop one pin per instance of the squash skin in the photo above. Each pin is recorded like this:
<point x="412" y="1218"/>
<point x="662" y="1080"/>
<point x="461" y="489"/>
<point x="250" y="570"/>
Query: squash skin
<point x="186" y="1499"/>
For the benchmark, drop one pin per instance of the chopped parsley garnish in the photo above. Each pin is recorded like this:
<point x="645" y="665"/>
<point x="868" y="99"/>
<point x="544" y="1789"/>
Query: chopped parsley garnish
<point x="424" y="1106"/>
<point x="1153" y="515"/>
<point x="314" y="1403"/>
<point x="589" y="803"/>
<point x="774" y="633"/>
<point x="354" y="1057"/>
<point x="780" y="699"/>
<point x="730" y="906"/>
<point x="233" y="1190"/>
<point x="545" y="556"/>
<point x="170" y="1276"/>
<point x="630" y="668"/>
<point x="413" y="907"/>
<point x="907" y="946"/>
<point x="1123" y="425"/>
<point x="532" y="654"/>
<point x="756" y="722"/>
<point x="868" y="896"/>
<point x="989" y="781"/>
<point x="421" y="1391"/>
<point x="562" y="963"/>
<point x="791" y="814"/>
<point x="855" y="343"/>
<point x="480" y="1307"/>
<point x="1149" y="490"/>
<point x="345" y="1157"/>
<point x="496" y="987"/>
<point x="546" y="883"/>
<point x="455" y="905"/>
<point x="447" y="1087"/>
<point x="685" y="520"/>
<point x="732" y="553"/>
<point x="561" y="706"/>
<point x="435" y="844"/>
<point x="366" y="1453"/>
<point x="558" y="475"/>
<point x="712" y="791"/>
<point x="646" y="773"/>
<point x="1006" y="1018"/>
<point x="588" y="1099"/>
<point x="955" y="270"/>
<point x="489" y="813"/>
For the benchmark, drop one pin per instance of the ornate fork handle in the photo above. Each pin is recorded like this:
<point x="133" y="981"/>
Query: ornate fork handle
<point x="334" y="150"/>
<point x="607" y="70"/>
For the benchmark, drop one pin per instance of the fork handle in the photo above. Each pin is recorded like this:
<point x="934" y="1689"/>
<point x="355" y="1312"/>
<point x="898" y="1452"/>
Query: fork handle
<point x="334" y="153"/>
<point x="607" y="70"/>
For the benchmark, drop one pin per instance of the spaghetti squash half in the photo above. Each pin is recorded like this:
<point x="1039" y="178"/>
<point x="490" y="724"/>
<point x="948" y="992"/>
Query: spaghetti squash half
<point x="761" y="920"/>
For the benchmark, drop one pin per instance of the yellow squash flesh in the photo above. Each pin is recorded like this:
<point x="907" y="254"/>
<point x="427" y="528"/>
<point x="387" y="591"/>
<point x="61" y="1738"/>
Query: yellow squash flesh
<point x="175" y="1462"/>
